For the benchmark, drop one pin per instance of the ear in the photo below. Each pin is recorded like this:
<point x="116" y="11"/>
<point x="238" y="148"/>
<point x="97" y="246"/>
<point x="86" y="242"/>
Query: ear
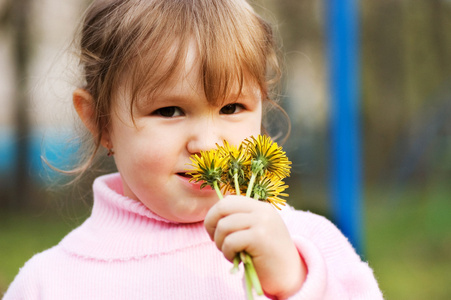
<point x="84" y="106"/>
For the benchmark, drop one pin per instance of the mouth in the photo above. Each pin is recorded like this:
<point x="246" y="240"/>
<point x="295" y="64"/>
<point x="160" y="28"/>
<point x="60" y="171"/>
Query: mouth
<point x="185" y="175"/>
<point x="186" y="178"/>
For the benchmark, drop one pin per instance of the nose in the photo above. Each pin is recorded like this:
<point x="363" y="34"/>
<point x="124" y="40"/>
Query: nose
<point x="203" y="136"/>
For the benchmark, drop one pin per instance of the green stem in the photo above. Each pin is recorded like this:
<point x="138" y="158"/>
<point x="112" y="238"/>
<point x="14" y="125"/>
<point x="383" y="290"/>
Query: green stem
<point x="236" y="263"/>
<point x="237" y="186"/>
<point x="248" y="281"/>
<point x="250" y="269"/>
<point x="218" y="191"/>
<point x="251" y="184"/>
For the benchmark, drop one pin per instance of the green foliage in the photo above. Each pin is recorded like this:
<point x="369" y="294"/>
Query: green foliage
<point x="24" y="234"/>
<point x="408" y="241"/>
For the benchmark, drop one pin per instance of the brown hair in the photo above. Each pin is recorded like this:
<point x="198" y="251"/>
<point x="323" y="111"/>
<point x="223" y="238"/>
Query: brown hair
<point x="129" y="39"/>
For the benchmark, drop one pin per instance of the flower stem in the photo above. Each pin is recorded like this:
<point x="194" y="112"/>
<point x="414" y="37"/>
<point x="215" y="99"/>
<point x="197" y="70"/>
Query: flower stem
<point x="251" y="184"/>
<point x="237" y="186"/>
<point x="236" y="263"/>
<point x="218" y="191"/>
<point x="250" y="270"/>
<point x="248" y="283"/>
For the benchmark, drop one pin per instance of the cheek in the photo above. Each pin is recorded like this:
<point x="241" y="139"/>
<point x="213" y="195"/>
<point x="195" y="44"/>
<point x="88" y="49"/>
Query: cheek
<point x="139" y="153"/>
<point x="152" y="155"/>
<point x="145" y="170"/>
<point x="156" y="159"/>
<point x="237" y="136"/>
<point x="252" y="128"/>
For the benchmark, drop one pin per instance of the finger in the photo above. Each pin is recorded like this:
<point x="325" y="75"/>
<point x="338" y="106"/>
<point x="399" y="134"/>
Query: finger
<point x="229" y="224"/>
<point x="236" y="242"/>
<point x="227" y="206"/>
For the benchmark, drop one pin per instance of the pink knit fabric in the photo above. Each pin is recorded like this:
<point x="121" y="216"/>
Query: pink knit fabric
<point x="124" y="251"/>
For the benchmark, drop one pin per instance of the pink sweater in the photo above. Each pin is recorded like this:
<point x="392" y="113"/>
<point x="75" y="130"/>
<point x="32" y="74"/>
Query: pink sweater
<point x="124" y="251"/>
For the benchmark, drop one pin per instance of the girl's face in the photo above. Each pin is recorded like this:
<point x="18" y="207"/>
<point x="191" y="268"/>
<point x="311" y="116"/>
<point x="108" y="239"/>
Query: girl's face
<point x="152" y="155"/>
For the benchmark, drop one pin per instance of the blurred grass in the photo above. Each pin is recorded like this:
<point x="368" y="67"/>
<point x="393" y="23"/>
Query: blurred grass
<point x="408" y="240"/>
<point x="24" y="234"/>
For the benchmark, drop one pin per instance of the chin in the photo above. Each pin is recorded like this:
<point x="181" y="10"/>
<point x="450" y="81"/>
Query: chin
<point x="191" y="217"/>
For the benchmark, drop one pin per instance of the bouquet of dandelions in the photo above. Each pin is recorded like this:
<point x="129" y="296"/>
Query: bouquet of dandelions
<point x="256" y="168"/>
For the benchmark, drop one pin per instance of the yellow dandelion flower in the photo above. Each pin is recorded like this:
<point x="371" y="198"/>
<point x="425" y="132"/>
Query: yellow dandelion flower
<point x="270" y="189"/>
<point x="237" y="162"/>
<point x="208" y="167"/>
<point x="267" y="155"/>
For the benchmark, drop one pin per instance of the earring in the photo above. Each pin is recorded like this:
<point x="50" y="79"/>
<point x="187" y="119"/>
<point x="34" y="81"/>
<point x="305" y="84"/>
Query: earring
<point x="110" y="149"/>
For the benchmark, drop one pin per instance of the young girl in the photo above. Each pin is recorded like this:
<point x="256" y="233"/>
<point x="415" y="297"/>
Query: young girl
<point x="165" y="79"/>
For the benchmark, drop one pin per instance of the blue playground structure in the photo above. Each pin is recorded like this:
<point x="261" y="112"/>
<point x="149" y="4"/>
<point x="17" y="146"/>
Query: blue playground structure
<point x="346" y="174"/>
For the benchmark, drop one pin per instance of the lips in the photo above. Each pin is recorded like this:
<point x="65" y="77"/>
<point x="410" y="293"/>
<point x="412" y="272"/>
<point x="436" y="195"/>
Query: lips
<point x="186" y="178"/>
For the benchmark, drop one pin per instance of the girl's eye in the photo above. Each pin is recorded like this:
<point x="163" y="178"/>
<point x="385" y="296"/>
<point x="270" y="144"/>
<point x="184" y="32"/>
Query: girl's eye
<point x="231" y="109"/>
<point x="169" y="112"/>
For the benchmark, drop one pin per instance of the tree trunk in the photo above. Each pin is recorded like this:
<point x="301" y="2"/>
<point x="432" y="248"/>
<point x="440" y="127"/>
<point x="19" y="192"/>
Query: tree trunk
<point x="20" y="16"/>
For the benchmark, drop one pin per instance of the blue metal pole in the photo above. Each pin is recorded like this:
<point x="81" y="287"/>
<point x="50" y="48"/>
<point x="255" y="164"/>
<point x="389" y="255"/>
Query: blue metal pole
<point x="343" y="55"/>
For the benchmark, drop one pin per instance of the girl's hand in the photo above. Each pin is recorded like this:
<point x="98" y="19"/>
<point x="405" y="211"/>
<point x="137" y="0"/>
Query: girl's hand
<point x="238" y="223"/>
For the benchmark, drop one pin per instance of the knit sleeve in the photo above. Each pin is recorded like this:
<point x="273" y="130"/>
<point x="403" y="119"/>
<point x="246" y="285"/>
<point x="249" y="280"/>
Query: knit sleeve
<point x="335" y="271"/>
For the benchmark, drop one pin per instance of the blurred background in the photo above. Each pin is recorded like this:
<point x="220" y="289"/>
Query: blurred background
<point x="405" y="101"/>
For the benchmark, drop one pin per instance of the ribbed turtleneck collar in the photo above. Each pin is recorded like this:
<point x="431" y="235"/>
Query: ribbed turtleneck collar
<point x="122" y="228"/>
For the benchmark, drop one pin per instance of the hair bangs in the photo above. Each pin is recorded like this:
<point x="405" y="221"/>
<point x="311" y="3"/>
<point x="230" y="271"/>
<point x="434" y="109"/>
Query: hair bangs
<point x="232" y="50"/>
<point x="232" y="41"/>
<point x="158" y="49"/>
